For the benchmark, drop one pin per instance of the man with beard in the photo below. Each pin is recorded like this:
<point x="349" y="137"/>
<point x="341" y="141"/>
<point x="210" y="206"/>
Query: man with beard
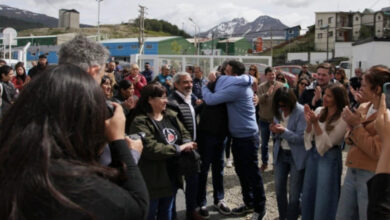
<point x="41" y="67"/>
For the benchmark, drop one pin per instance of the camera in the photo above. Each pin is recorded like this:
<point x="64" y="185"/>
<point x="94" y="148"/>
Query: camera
<point x="136" y="136"/>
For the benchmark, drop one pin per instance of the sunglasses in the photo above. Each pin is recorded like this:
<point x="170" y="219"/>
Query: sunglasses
<point x="305" y="84"/>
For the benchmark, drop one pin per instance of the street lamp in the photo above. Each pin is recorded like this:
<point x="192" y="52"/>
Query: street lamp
<point x="327" y="40"/>
<point x="195" y="37"/>
<point x="99" y="18"/>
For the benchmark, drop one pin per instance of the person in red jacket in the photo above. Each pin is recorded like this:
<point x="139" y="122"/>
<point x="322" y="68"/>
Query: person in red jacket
<point x="138" y="80"/>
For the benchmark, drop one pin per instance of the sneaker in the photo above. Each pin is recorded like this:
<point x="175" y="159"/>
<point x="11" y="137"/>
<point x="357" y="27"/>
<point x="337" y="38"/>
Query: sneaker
<point x="242" y="210"/>
<point x="222" y="208"/>
<point x="229" y="163"/>
<point x="258" y="216"/>
<point x="204" y="212"/>
<point x="264" y="167"/>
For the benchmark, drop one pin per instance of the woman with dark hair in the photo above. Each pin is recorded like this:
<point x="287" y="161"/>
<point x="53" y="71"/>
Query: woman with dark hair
<point x="289" y="151"/>
<point x="281" y="78"/>
<point x="127" y="99"/>
<point x="341" y="77"/>
<point x="107" y="85"/>
<point x="324" y="136"/>
<point x="165" y="139"/>
<point x="9" y="92"/>
<point x="303" y="82"/>
<point x="48" y="159"/>
<point x="365" y="146"/>
<point x="21" y="78"/>
<point x="253" y="71"/>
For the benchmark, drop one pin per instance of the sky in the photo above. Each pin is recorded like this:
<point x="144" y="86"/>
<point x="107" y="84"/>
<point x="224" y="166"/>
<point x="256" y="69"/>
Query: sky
<point x="205" y="13"/>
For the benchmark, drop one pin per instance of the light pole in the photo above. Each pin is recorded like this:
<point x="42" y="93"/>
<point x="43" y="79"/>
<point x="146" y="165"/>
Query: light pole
<point x="99" y="18"/>
<point x="195" y="37"/>
<point x="327" y="41"/>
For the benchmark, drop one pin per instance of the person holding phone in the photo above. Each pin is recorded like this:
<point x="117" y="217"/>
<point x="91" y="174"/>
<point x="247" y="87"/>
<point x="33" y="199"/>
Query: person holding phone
<point x="49" y="157"/>
<point x="379" y="185"/>
<point x="365" y="146"/>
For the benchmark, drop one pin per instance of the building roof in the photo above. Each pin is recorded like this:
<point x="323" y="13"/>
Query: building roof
<point x="297" y="26"/>
<point x="274" y="38"/>
<point x="70" y="10"/>
<point x="135" y="40"/>
<point x="231" y="40"/>
<point x="200" y="40"/>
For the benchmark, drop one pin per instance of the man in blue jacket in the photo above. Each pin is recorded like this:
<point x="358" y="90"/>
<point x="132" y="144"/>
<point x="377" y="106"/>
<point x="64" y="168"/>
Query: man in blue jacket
<point x="235" y="90"/>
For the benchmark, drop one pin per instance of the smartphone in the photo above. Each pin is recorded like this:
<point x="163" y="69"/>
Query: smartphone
<point x="386" y="90"/>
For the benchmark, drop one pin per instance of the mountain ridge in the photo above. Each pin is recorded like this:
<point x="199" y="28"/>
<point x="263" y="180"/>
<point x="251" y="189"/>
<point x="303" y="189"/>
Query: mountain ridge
<point x="239" y="27"/>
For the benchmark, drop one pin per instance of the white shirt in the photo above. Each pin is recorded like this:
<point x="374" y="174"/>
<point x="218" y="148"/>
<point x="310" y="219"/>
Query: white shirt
<point x="284" y="122"/>
<point x="371" y="111"/>
<point x="325" y="141"/>
<point x="187" y="99"/>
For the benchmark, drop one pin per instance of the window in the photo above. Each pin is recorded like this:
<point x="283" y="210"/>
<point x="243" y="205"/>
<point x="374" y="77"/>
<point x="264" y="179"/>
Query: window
<point x="341" y="34"/>
<point x="319" y="36"/>
<point x="330" y="34"/>
<point x="320" y="22"/>
<point x="330" y="20"/>
<point x="134" y="46"/>
<point x="379" y="31"/>
<point x="356" y="32"/>
<point x="357" y="18"/>
<point x="120" y="47"/>
<point x="149" y="46"/>
<point x="379" y="17"/>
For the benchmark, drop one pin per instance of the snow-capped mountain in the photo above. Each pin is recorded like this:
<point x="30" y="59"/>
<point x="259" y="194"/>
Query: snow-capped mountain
<point x="239" y="27"/>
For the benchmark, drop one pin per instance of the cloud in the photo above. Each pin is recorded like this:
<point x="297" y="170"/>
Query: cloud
<point x="293" y="3"/>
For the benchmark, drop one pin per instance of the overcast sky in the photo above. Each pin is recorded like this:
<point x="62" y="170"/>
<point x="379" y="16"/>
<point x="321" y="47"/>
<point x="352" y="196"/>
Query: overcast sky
<point x="205" y="13"/>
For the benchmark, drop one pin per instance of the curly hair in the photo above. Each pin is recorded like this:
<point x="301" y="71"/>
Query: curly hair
<point x="83" y="53"/>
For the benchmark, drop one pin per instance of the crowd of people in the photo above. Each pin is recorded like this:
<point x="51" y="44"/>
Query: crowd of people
<point x="89" y="139"/>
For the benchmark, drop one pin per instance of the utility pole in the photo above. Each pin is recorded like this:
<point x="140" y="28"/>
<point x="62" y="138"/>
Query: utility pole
<point x="141" y="37"/>
<point x="327" y="43"/>
<point x="272" y="50"/>
<point x="99" y="18"/>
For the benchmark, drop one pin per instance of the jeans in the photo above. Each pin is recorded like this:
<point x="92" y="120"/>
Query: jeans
<point x="211" y="150"/>
<point x="246" y="165"/>
<point x="283" y="167"/>
<point x="228" y="146"/>
<point x="354" y="195"/>
<point x="321" y="185"/>
<point x="161" y="208"/>
<point x="265" y="135"/>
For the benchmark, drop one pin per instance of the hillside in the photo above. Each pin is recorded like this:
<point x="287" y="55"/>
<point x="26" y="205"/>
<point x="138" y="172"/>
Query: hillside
<point x="302" y="43"/>
<point x="106" y="31"/>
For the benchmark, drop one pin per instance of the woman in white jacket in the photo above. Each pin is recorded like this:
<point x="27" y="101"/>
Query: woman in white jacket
<point x="323" y="137"/>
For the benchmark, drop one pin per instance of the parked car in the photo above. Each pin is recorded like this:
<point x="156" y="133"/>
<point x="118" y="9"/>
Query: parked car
<point x="294" y="69"/>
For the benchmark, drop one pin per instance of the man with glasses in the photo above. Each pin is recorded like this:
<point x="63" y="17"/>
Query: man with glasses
<point x="266" y="93"/>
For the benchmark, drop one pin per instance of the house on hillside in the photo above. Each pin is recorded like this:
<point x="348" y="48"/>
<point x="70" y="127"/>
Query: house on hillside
<point x="332" y="27"/>
<point x="292" y="32"/>
<point x="382" y="23"/>
<point x="234" y="46"/>
<point x="363" y="20"/>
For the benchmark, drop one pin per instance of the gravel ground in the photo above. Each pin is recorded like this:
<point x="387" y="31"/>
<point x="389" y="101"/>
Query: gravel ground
<point x="233" y="196"/>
